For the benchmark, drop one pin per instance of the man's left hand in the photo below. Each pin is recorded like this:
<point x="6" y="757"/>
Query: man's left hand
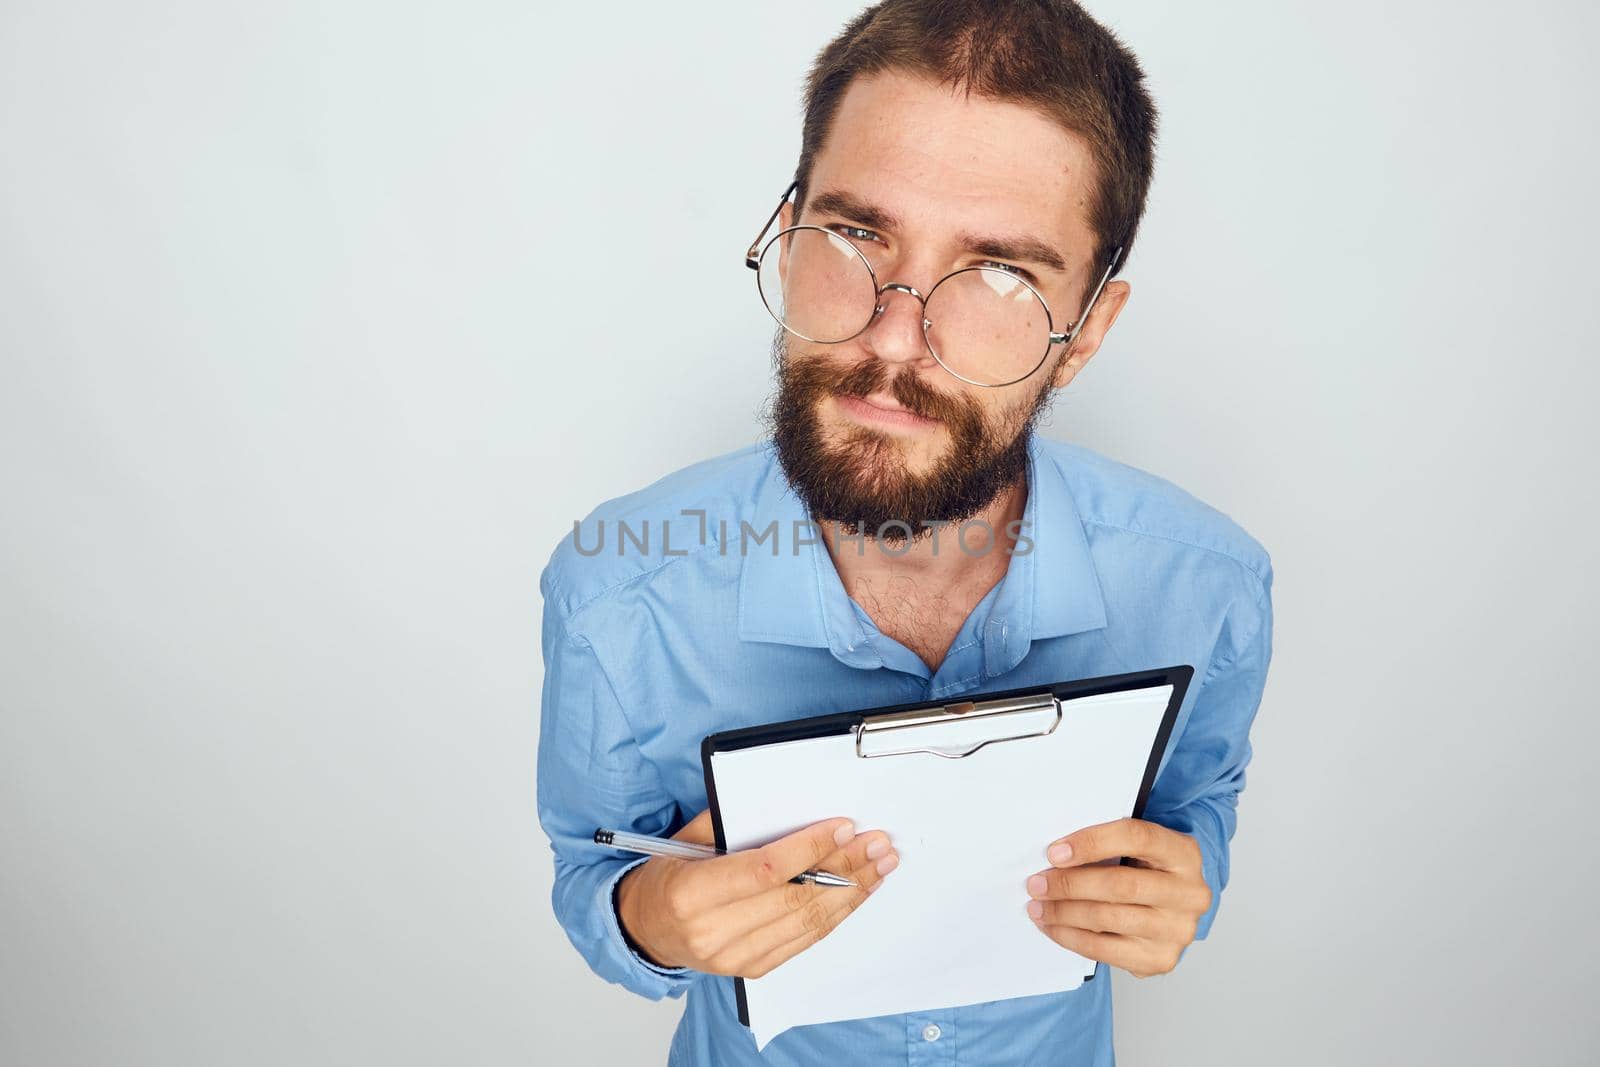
<point x="1139" y="918"/>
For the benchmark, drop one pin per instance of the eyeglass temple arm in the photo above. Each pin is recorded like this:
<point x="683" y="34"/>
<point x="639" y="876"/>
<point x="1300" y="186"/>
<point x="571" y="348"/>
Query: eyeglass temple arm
<point x="1068" y="338"/>
<point x="751" y="259"/>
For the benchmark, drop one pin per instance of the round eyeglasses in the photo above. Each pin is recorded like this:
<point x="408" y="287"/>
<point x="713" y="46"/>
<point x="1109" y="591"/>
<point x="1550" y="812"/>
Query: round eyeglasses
<point x="985" y="325"/>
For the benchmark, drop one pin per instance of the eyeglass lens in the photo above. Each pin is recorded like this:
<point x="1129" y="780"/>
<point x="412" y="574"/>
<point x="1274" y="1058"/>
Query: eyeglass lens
<point x="984" y="324"/>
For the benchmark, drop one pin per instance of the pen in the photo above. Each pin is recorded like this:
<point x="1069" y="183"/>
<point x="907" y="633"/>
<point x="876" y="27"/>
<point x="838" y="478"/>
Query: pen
<point x="688" y="850"/>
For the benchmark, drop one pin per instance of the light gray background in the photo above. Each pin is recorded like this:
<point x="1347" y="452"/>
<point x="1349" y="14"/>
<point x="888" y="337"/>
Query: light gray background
<point x="320" y="324"/>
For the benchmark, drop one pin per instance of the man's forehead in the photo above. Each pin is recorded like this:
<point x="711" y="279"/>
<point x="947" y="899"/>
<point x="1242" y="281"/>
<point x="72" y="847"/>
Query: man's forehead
<point x="911" y="145"/>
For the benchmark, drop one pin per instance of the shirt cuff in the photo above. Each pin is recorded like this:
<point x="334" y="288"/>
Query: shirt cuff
<point x="676" y="979"/>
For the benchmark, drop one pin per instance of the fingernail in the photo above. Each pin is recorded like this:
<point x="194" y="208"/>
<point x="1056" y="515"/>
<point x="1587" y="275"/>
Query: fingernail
<point x="877" y="848"/>
<point x="1060" y="852"/>
<point x="844" y="834"/>
<point x="1036" y="909"/>
<point x="887" y="864"/>
<point x="1037" y="885"/>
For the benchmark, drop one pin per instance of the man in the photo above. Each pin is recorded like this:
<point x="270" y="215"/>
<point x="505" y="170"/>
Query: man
<point x="970" y="180"/>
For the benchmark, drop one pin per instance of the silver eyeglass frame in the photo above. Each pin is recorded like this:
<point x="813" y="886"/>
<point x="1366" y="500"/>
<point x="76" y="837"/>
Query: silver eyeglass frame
<point x="757" y="250"/>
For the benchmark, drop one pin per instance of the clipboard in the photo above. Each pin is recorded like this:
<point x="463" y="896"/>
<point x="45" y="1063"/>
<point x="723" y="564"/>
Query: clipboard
<point x="948" y="731"/>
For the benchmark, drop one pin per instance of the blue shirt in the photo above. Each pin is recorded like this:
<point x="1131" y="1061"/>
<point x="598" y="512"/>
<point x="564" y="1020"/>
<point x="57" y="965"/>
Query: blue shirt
<point x="706" y="602"/>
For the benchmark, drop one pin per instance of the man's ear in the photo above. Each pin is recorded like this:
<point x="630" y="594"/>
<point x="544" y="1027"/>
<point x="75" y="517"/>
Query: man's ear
<point x="785" y="213"/>
<point x="1105" y="311"/>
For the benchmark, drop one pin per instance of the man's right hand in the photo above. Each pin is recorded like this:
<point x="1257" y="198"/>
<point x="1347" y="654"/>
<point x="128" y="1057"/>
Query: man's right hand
<point x="739" y="914"/>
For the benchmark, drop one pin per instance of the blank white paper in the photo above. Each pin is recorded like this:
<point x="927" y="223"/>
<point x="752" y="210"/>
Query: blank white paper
<point x="949" y="926"/>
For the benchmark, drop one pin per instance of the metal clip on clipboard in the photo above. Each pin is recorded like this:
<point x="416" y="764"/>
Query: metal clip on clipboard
<point x="964" y="726"/>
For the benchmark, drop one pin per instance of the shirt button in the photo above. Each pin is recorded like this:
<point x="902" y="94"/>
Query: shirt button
<point x="930" y="1032"/>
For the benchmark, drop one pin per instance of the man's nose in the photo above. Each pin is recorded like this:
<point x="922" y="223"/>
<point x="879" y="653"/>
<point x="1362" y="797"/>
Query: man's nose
<point x="895" y="335"/>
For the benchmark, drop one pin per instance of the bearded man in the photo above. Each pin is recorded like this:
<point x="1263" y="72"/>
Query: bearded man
<point x="970" y="181"/>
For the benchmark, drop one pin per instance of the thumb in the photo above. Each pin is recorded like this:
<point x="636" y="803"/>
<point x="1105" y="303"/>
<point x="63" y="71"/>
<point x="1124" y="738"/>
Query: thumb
<point x="698" y="830"/>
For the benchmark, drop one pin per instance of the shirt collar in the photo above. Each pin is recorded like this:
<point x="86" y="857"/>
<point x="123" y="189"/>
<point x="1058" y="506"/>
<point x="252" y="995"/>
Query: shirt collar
<point x="790" y="591"/>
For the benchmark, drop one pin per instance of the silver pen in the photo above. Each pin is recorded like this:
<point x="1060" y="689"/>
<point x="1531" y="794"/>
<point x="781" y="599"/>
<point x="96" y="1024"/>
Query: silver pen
<point x="688" y="850"/>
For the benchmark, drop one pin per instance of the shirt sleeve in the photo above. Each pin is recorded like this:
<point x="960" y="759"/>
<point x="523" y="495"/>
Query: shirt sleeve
<point x="1198" y="793"/>
<point x="590" y="775"/>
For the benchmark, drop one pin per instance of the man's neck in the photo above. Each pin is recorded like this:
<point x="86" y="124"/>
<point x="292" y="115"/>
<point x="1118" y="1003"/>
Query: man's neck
<point x="921" y="592"/>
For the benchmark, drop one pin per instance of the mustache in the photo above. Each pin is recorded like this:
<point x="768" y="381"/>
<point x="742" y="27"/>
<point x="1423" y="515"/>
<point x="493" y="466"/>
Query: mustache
<point x="909" y="391"/>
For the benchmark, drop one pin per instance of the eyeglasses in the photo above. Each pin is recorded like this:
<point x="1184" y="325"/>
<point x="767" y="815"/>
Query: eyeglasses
<point x="986" y="325"/>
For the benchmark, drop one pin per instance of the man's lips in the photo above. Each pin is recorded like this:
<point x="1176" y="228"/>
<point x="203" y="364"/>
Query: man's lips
<point x="881" y="409"/>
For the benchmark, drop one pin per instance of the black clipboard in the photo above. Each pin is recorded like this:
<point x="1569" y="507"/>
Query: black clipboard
<point x="998" y="707"/>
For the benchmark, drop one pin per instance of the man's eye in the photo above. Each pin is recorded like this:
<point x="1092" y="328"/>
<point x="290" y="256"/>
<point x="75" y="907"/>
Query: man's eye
<point x="859" y="234"/>
<point x="1008" y="268"/>
<point x="855" y="231"/>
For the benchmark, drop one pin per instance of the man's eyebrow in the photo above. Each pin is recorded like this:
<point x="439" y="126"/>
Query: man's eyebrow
<point x="997" y="246"/>
<point x="1014" y="246"/>
<point x="849" y="206"/>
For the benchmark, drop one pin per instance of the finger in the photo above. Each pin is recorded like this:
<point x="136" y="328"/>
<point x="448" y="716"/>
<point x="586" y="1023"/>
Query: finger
<point x="1137" y="956"/>
<point x="1114" y="949"/>
<point x="1115" y="885"/>
<point x="1129" y="920"/>
<point x="1155" y="845"/>
<point x="865" y="860"/>
<point x="698" y="830"/>
<point x="808" y="929"/>
<point x="825" y="908"/>
<point x="750" y="871"/>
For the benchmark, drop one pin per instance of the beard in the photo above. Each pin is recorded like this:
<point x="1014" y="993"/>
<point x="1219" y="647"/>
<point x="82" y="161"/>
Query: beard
<point x="860" y="480"/>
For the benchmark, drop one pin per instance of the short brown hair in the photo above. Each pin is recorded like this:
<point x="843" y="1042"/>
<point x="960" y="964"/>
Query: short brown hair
<point x="1046" y="54"/>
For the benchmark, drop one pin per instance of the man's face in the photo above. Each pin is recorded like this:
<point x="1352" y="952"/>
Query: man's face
<point x="873" y="429"/>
